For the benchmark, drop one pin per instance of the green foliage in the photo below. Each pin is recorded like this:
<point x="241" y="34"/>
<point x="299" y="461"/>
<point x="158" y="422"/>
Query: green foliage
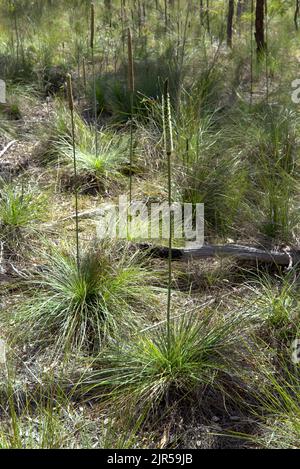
<point x="149" y="369"/>
<point x="6" y="126"/>
<point x="78" y="309"/>
<point x="108" y="162"/>
<point x="276" y="304"/>
<point x="21" y="207"/>
<point x="279" y="402"/>
<point x="238" y="154"/>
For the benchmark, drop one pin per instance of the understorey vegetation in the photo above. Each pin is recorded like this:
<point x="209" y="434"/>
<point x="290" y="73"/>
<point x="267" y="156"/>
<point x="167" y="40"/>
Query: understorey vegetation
<point x="121" y="341"/>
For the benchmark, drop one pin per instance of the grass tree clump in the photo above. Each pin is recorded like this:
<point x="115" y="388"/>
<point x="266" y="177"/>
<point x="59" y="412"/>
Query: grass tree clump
<point x="44" y="429"/>
<point x="59" y="129"/>
<point x="92" y="168"/>
<point x="107" y="165"/>
<point x="199" y="352"/>
<point x="217" y="179"/>
<point x="76" y="307"/>
<point x="21" y="207"/>
<point x="244" y="169"/>
<point x="275" y="171"/>
<point x="34" y="418"/>
<point x="6" y="126"/>
<point x="279" y="404"/>
<point x="276" y="304"/>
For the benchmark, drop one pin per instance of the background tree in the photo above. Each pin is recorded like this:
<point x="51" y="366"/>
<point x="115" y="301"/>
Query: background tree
<point x="296" y="14"/>
<point x="260" y="27"/>
<point x="229" y="22"/>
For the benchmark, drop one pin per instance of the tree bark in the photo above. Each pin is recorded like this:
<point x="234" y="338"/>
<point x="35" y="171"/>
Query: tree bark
<point x="260" y="27"/>
<point x="296" y="14"/>
<point x="207" y="17"/>
<point x="229" y="22"/>
<point x="239" y="12"/>
<point x="243" y="253"/>
<point x="201" y="6"/>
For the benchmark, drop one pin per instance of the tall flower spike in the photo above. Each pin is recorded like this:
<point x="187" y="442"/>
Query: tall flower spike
<point x="130" y="62"/>
<point x="70" y="92"/>
<point x="168" y="137"/>
<point x="92" y="25"/>
<point x="71" y="106"/>
<point x="168" y="127"/>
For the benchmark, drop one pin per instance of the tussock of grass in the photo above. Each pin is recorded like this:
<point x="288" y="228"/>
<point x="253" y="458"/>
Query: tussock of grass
<point x="97" y="315"/>
<point x="20" y="208"/>
<point x="59" y="128"/>
<point x="79" y="309"/>
<point x="278" y="403"/>
<point x="102" y="166"/>
<point x="7" y="128"/>
<point x="108" y="162"/>
<point x="39" y="419"/>
<point x="146" y="371"/>
<point x="276" y="304"/>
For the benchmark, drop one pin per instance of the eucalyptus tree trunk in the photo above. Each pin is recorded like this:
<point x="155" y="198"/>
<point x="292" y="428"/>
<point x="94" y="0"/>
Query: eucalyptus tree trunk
<point x="297" y="7"/>
<point x="260" y="27"/>
<point x="229" y="22"/>
<point x="239" y="12"/>
<point x="207" y="16"/>
<point x="201" y="11"/>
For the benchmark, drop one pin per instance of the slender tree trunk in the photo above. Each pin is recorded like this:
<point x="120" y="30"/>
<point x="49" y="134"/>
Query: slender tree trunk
<point x="201" y="13"/>
<point x="108" y="7"/>
<point x="166" y="15"/>
<point x="260" y="27"/>
<point x="296" y="14"/>
<point x="17" y="35"/>
<point x="239" y="8"/>
<point x="229" y="22"/>
<point x="239" y="12"/>
<point x="207" y="17"/>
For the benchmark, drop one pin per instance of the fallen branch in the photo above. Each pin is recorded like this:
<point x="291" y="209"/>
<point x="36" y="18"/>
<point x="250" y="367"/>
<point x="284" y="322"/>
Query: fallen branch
<point x="8" y="146"/>
<point x="286" y="257"/>
<point x="81" y="215"/>
<point x="243" y="253"/>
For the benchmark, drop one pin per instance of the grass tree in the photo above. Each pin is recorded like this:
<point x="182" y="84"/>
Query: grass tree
<point x="155" y="368"/>
<point x="73" y="308"/>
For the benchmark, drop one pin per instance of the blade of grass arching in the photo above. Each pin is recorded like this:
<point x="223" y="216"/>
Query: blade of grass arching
<point x="71" y="107"/>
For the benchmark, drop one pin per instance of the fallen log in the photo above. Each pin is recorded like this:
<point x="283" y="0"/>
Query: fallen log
<point x="286" y="257"/>
<point x="244" y="253"/>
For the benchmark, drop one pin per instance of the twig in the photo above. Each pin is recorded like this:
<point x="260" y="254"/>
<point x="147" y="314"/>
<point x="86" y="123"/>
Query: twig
<point x="8" y="146"/>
